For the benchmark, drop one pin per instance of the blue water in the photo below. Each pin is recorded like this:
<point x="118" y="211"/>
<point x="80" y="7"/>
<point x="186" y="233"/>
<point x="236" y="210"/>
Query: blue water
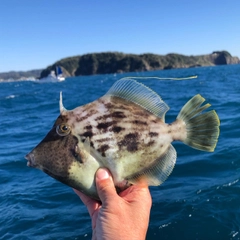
<point x="200" y="200"/>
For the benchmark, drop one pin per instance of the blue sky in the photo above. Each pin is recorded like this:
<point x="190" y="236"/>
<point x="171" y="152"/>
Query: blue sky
<point x="37" y="33"/>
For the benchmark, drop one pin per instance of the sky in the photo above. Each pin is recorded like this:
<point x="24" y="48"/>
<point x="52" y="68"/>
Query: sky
<point x="36" y="33"/>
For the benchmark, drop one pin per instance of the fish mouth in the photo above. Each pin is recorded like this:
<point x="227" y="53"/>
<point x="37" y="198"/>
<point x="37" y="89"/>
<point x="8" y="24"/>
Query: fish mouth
<point x="31" y="160"/>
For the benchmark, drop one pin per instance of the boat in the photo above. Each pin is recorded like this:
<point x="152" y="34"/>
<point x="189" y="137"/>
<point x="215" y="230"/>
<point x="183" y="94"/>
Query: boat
<point x="54" y="76"/>
<point x="59" y="74"/>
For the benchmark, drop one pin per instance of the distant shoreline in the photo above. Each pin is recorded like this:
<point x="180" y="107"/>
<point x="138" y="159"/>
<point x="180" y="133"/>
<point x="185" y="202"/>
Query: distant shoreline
<point x="117" y="62"/>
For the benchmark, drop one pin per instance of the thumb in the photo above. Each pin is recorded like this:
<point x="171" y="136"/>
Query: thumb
<point x="105" y="186"/>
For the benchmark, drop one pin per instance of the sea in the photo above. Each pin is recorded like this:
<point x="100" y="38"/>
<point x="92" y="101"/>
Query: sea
<point x="199" y="200"/>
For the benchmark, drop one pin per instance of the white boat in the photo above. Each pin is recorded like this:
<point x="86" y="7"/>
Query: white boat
<point x="59" y="74"/>
<point x="54" y="76"/>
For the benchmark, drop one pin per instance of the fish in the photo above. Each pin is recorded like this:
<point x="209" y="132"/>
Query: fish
<point x="125" y="132"/>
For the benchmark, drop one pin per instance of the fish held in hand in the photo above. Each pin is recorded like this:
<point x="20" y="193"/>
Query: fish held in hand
<point x="124" y="131"/>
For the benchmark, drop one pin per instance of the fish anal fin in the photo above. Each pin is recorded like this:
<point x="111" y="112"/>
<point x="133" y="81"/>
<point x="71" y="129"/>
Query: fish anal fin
<point x="158" y="172"/>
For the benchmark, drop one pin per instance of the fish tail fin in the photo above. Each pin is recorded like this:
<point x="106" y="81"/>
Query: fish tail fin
<point x="202" y="129"/>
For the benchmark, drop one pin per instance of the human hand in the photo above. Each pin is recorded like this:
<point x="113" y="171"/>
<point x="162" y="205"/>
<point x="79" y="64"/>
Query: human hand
<point x="124" y="216"/>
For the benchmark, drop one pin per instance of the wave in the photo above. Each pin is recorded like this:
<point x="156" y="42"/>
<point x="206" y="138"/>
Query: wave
<point x="10" y="96"/>
<point x="18" y="80"/>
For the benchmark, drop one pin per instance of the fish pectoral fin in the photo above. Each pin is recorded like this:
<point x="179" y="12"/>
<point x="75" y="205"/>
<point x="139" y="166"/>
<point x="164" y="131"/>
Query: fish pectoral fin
<point x="97" y="155"/>
<point x="158" y="172"/>
<point x="89" y="150"/>
<point x="86" y="144"/>
<point x="138" y="93"/>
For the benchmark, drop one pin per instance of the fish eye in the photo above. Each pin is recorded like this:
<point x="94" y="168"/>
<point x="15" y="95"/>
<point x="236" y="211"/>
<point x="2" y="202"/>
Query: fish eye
<point x="63" y="129"/>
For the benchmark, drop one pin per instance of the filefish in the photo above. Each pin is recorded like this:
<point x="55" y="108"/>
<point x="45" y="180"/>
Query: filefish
<point x="125" y="132"/>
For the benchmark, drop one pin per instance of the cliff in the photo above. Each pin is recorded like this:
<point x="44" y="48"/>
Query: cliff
<point x="116" y="62"/>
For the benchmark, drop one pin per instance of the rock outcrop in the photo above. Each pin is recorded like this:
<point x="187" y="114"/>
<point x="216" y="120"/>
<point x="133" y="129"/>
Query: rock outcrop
<point x="116" y="62"/>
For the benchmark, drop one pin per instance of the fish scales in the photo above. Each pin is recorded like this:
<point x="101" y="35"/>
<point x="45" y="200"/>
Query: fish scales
<point x="124" y="131"/>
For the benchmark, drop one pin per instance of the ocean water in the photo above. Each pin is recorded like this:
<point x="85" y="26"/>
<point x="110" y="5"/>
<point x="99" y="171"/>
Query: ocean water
<point x="200" y="199"/>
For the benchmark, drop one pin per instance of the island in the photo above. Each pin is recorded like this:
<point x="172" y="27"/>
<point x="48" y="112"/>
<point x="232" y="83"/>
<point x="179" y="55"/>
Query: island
<point x="117" y="62"/>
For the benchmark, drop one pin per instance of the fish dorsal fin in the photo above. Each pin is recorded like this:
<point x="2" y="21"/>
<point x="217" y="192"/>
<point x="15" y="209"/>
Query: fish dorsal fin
<point x="158" y="172"/>
<point x="138" y="93"/>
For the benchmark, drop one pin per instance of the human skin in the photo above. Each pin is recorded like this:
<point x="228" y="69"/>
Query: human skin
<point x="120" y="216"/>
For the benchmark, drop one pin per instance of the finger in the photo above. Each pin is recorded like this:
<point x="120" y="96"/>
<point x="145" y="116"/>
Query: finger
<point x="90" y="203"/>
<point x="136" y="193"/>
<point x="105" y="186"/>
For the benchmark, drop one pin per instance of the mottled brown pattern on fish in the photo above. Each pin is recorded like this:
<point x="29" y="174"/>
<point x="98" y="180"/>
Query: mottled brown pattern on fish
<point x="87" y="134"/>
<point x="102" y="118"/>
<point x="153" y="134"/>
<point x="104" y="140"/>
<point x="88" y="115"/>
<point x="137" y="112"/>
<point x="111" y="105"/>
<point x="116" y="129"/>
<point x="123" y="125"/>
<point x="151" y="142"/>
<point x="118" y="114"/>
<point x="89" y="127"/>
<point x="108" y="105"/>
<point x="139" y="122"/>
<point x="103" y="149"/>
<point x="105" y="125"/>
<point x="130" y="142"/>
